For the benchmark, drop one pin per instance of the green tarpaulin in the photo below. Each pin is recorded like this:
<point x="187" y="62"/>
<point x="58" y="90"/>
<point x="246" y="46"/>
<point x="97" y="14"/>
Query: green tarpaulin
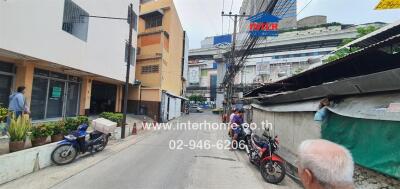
<point x="374" y="144"/>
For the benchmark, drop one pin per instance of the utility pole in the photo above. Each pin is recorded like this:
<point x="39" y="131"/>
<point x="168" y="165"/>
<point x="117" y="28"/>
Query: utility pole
<point x="128" y="70"/>
<point x="130" y="19"/>
<point x="229" y="85"/>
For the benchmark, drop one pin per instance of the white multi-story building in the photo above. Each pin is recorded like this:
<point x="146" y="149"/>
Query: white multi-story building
<point x="70" y="63"/>
<point x="273" y="58"/>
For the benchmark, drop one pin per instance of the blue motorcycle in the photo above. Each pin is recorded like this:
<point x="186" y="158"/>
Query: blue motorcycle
<point x="76" y="143"/>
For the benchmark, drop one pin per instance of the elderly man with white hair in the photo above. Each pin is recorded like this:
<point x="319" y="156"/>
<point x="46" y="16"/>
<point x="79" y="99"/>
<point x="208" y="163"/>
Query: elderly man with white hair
<point x="325" y="165"/>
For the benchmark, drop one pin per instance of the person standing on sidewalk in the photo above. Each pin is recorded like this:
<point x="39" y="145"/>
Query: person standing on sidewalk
<point x="16" y="106"/>
<point x="17" y="102"/>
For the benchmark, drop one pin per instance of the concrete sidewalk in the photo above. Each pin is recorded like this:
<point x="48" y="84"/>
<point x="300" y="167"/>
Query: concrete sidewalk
<point x="53" y="175"/>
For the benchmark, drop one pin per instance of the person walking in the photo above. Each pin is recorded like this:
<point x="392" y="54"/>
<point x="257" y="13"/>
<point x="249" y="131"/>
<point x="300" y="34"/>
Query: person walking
<point x="16" y="107"/>
<point x="17" y="102"/>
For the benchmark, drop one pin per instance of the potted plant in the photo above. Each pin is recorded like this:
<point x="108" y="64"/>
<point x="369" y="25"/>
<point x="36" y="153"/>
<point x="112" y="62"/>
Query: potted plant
<point x="3" y="114"/>
<point x="40" y="134"/>
<point x="58" y="130"/>
<point x="18" y="131"/>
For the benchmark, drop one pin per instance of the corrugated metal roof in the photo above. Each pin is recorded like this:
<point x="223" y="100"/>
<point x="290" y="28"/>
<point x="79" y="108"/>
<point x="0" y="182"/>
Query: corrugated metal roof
<point x="368" y="107"/>
<point x="376" y="36"/>
<point x="365" y="61"/>
<point x="372" y="83"/>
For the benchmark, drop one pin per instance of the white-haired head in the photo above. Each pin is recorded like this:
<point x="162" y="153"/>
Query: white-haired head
<point x="329" y="163"/>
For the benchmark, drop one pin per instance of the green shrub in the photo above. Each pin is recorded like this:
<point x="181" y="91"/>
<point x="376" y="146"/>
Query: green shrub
<point x="57" y="127"/>
<point x="82" y="120"/>
<point x="3" y="114"/>
<point x="72" y="123"/>
<point x="43" y="130"/>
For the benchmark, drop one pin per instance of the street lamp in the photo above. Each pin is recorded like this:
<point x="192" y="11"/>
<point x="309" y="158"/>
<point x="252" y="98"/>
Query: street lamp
<point x="130" y="19"/>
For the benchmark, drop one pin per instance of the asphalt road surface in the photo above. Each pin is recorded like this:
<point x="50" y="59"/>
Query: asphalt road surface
<point x="155" y="162"/>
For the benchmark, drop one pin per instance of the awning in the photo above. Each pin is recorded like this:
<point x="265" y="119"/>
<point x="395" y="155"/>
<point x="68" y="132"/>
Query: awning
<point x="374" y="107"/>
<point x="152" y="14"/>
<point x="170" y="94"/>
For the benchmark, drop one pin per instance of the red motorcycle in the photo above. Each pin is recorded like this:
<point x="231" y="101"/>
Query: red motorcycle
<point x="261" y="152"/>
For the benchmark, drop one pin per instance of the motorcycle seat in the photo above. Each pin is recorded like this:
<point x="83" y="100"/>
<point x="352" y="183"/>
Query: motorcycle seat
<point x="259" y="141"/>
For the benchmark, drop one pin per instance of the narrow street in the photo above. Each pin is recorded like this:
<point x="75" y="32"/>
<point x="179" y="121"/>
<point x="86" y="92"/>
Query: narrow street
<point x="152" y="164"/>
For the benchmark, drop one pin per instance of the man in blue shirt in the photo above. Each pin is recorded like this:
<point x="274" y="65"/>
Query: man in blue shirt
<point x="17" y="102"/>
<point x="16" y="106"/>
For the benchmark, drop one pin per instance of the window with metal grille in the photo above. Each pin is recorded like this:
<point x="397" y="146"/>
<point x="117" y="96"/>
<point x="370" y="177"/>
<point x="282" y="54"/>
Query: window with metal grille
<point x="150" y="69"/>
<point x="75" y="20"/>
<point x="154" y="21"/>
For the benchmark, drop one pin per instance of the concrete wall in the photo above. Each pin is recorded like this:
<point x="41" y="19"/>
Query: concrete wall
<point x="28" y="30"/>
<point x="291" y="127"/>
<point x="18" y="164"/>
<point x="294" y="127"/>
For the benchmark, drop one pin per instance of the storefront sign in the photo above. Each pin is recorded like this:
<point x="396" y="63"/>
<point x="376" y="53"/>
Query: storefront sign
<point x="56" y="92"/>
<point x="263" y="25"/>
<point x="388" y="4"/>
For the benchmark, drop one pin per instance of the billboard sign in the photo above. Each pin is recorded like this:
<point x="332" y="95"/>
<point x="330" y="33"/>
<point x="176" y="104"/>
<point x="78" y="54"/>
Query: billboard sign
<point x="263" y="25"/>
<point x="194" y="75"/>
<point x="222" y="40"/>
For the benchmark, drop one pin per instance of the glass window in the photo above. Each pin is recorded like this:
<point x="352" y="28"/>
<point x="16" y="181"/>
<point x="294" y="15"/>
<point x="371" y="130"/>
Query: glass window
<point x="153" y="22"/>
<point x="58" y="75"/>
<point x="72" y="99"/>
<point x="6" y="67"/>
<point x="38" y="99"/>
<point x="40" y="72"/>
<point x="5" y="90"/>
<point x="150" y="69"/>
<point x="55" y="99"/>
<point x="75" y="20"/>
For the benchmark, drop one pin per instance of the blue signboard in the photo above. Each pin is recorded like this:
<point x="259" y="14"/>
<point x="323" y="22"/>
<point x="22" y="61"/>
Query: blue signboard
<point x="222" y="40"/>
<point x="263" y="25"/>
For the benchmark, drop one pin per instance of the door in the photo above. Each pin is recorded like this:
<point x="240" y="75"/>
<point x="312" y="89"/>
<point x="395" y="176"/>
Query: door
<point x="72" y="99"/>
<point x="5" y="90"/>
<point x="55" y="99"/>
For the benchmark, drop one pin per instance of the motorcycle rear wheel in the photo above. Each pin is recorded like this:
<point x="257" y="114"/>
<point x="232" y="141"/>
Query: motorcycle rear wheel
<point x="61" y="156"/>
<point x="103" y="144"/>
<point x="274" y="173"/>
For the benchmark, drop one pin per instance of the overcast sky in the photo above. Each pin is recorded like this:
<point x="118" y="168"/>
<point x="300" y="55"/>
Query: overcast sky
<point x="201" y="18"/>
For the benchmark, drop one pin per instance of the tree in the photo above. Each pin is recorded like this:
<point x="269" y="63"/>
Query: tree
<point x="197" y="98"/>
<point x="362" y="31"/>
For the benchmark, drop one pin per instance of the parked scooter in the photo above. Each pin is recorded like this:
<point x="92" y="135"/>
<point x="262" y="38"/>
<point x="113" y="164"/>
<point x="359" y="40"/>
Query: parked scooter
<point x="244" y="136"/>
<point x="261" y="152"/>
<point x="76" y="143"/>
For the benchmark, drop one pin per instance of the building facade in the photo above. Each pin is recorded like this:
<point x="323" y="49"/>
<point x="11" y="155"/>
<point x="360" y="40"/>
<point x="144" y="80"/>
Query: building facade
<point x="69" y="63"/>
<point x="273" y="59"/>
<point x="284" y="9"/>
<point x="160" y="62"/>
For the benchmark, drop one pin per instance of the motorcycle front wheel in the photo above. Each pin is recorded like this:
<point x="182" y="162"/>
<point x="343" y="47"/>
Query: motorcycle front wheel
<point x="63" y="154"/>
<point x="273" y="171"/>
